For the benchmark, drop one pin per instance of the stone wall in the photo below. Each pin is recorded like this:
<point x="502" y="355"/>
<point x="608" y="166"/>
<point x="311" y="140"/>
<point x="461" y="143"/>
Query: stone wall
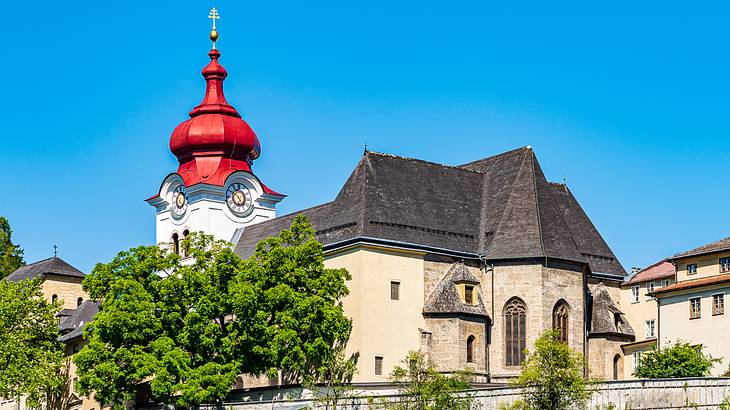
<point x="695" y="393"/>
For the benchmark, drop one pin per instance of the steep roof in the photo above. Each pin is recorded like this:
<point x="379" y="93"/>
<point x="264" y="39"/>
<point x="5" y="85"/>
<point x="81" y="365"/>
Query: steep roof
<point x="660" y="270"/>
<point x="445" y="298"/>
<point x="72" y="325"/>
<point x="606" y="317"/>
<point x="719" y="246"/>
<point x="501" y="206"/>
<point x="54" y="265"/>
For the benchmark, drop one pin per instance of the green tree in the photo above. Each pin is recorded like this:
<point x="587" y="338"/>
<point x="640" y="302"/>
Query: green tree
<point x="424" y="388"/>
<point x="11" y="255"/>
<point x="678" y="360"/>
<point x="552" y="377"/>
<point x="30" y="353"/>
<point x="292" y="303"/>
<point x="331" y="386"/>
<point x="190" y="327"/>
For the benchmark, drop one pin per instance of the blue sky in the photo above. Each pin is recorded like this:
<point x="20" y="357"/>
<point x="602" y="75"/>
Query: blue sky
<point x="628" y="102"/>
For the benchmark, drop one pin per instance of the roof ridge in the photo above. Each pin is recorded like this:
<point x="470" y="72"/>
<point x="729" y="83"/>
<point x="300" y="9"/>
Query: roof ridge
<point x="509" y="198"/>
<point x="511" y="152"/>
<point x="42" y="260"/>
<point x="562" y="215"/>
<point x="386" y="155"/>
<point x="537" y="205"/>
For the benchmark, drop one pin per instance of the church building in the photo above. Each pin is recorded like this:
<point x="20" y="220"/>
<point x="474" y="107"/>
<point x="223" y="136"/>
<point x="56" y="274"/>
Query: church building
<point x="467" y="263"/>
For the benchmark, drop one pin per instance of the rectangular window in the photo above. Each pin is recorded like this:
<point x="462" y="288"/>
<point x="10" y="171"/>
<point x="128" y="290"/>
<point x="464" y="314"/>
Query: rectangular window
<point x="394" y="290"/>
<point x="650" y="328"/>
<point x="695" y="308"/>
<point x="649" y="287"/>
<point x="469" y="295"/>
<point x="718" y="304"/>
<point x="691" y="268"/>
<point x="724" y="265"/>
<point x="634" y="294"/>
<point x="636" y="359"/>
<point x="378" y="365"/>
<point x="665" y="283"/>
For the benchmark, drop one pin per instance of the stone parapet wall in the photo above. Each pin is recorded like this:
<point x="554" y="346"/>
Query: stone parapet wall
<point x="695" y="393"/>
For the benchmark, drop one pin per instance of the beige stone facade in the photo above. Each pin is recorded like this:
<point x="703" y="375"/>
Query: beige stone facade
<point x="386" y="330"/>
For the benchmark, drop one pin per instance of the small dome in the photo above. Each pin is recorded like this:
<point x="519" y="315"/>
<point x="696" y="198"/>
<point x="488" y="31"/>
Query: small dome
<point x="215" y="128"/>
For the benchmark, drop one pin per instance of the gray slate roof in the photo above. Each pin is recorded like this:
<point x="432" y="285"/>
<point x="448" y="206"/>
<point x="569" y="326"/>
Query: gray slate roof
<point x="445" y="297"/>
<point x="54" y="265"/>
<point x="603" y="314"/>
<point x="501" y="206"/>
<point x="72" y="324"/>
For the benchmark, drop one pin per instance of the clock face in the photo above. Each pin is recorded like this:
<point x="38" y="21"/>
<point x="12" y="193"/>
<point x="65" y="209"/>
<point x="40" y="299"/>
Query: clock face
<point x="179" y="201"/>
<point x="238" y="198"/>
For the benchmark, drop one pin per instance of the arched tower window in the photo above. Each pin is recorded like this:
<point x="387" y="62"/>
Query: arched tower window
<point x="184" y="245"/>
<point x="470" y="349"/>
<point x="176" y="243"/>
<point x="515" y="323"/>
<point x="79" y="301"/>
<point x="54" y="298"/>
<point x="560" y="319"/>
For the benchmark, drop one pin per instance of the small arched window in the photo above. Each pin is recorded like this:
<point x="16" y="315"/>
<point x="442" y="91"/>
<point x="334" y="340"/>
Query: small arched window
<point x="176" y="243"/>
<point x="54" y="298"/>
<point x="616" y="365"/>
<point x="79" y="301"/>
<point x="560" y="319"/>
<point x="184" y="247"/>
<point x="470" y="349"/>
<point x="515" y="338"/>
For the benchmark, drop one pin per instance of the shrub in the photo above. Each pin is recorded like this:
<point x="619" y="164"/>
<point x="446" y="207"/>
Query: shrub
<point x="679" y="360"/>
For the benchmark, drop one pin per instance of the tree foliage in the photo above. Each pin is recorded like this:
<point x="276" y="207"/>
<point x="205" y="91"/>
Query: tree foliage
<point x="678" y="360"/>
<point x="552" y="377"/>
<point x="11" y="255"/>
<point x="30" y="353"/>
<point x="331" y="387"/>
<point x="424" y="388"/>
<point x="190" y="327"/>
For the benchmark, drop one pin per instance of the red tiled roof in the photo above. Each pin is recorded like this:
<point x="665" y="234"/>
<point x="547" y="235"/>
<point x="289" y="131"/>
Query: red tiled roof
<point x="721" y="245"/>
<point x="659" y="270"/>
<point x="692" y="284"/>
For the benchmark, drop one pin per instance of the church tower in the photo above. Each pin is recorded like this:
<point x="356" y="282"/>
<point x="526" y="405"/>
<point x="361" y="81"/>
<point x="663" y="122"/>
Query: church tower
<point x="214" y="189"/>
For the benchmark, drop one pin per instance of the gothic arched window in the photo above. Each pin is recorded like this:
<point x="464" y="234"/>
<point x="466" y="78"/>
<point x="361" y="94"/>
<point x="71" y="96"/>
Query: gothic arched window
<point x="175" y="243"/>
<point x="79" y="301"/>
<point x="560" y="319"/>
<point x="515" y="323"/>
<point x="470" y="349"/>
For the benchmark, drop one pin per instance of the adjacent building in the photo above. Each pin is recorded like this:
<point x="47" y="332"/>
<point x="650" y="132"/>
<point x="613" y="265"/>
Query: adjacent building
<point x="693" y="308"/>
<point x="61" y="282"/>
<point x="642" y="311"/>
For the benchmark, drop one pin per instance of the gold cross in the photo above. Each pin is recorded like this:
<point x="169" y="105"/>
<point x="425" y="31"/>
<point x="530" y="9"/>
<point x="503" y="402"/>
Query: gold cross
<point x="213" y="15"/>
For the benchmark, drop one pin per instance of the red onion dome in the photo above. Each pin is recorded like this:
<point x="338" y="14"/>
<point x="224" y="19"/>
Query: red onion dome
<point x="215" y="129"/>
